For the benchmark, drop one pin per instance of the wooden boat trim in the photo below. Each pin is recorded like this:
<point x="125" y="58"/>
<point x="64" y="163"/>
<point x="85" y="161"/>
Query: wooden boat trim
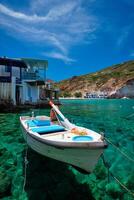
<point x="59" y="144"/>
<point x="93" y="145"/>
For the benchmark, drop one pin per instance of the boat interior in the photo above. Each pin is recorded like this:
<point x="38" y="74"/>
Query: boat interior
<point x="54" y="130"/>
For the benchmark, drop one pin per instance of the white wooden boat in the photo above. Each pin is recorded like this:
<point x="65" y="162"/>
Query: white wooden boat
<point x="63" y="140"/>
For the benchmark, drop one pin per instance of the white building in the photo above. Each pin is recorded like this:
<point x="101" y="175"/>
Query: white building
<point x="23" y="81"/>
<point x="96" y="95"/>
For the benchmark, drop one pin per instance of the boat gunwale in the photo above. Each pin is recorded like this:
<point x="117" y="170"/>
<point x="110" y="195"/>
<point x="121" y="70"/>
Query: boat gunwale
<point x="59" y="144"/>
<point x="93" y="145"/>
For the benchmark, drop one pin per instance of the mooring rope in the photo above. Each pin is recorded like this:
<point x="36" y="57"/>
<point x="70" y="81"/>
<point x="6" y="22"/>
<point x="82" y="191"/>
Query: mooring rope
<point x="125" y="188"/>
<point x="57" y="117"/>
<point x="106" y="165"/>
<point x="25" y="164"/>
<point x="124" y="154"/>
<point x="25" y="168"/>
<point x="129" y="116"/>
<point x="115" y="178"/>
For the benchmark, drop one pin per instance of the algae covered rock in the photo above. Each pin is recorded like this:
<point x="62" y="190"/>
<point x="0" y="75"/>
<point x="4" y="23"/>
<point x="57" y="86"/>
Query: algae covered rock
<point x="5" y="184"/>
<point x="53" y="180"/>
<point x="100" y="170"/>
<point x="114" y="190"/>
<point x="130" y="182"/>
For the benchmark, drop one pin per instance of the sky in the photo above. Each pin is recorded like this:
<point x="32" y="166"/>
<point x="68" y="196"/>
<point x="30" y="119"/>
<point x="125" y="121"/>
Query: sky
<point x="75" y="36"/>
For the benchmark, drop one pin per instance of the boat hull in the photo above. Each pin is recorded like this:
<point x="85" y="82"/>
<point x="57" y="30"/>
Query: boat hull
<point x="84" y="158"/>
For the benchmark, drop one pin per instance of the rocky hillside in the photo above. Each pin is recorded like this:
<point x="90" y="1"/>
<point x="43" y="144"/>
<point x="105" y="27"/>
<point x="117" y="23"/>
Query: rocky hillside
<point x="115" y="81"/>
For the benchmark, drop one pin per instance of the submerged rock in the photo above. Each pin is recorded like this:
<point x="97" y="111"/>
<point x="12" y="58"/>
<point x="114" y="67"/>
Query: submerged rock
<point x="130" y="182"/>
<point x="5" y="184"/>
<point x="53" y="179"/>
<point x="114" y="190"/>
<point x="100" y="171"/>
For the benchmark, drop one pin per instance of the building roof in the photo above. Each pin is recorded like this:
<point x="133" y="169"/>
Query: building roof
<point x="49" y="81"/>
<point x="12" y="62"/>
<point x="35" y="62"/>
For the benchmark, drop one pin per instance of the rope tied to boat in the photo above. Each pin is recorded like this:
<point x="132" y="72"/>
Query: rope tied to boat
<point x="110" y="173"/>
<point x="57" y="116"/>
<point x="124" y="154"/>
<point x="25" y="168"/>
<point x="115" y="178"/>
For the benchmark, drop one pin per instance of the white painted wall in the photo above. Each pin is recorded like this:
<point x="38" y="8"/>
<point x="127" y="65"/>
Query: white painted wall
<point x="13" y="90"/>
<point x="5" y="91"/>
<point x="21" y="94"/>
<point x="16" y="71"/>
<point x="34" y="93"/>
<point x="30" y="93"/>
<point x="24" y="91"/>
<point x="3" y="72"/>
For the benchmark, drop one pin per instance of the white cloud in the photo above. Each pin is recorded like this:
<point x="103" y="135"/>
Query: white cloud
<point x="60" y="56"/>
<point x="54" y="23"/>
<point x="53" y="14"/>
<point x="122" y="38"/>
<point x="124" y="33"/>
<point x="132" y="54"/>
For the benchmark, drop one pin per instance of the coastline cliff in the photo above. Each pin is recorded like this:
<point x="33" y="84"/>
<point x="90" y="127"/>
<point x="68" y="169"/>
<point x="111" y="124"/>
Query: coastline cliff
<point x="116" y="81"/>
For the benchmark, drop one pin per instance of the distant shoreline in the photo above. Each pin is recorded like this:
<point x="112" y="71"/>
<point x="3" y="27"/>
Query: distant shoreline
<point x="75" y="98"/>
<point x="71" y="98"/>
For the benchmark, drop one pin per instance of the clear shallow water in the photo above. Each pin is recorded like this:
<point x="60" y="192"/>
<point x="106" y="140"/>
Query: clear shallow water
<point x="50" y="179"/>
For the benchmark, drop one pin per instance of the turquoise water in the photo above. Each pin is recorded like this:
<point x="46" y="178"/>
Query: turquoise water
<point x="50" y="179"/>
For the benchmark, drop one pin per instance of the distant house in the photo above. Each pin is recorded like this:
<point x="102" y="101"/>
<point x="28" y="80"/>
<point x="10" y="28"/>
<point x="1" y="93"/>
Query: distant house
<point x="23" y="81"/>
<point x="96" y="95"/>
